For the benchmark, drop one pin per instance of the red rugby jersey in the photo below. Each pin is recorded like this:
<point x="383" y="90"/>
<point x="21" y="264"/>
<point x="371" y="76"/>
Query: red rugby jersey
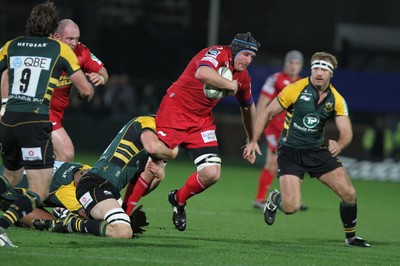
<point x="273" y="85"/>
<point x="88" y="62"/>
<point x="188" y="90"/>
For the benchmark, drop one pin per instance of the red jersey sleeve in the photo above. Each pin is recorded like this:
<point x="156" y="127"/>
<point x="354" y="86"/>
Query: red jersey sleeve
<point x="88" y="61"/>
<point x="269" y="88"/>
<point x="244" y="95"/>
<point x="214" y="57"/>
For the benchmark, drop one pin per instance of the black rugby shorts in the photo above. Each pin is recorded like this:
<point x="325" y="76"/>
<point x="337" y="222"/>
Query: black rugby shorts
<point x="316" y="161"/>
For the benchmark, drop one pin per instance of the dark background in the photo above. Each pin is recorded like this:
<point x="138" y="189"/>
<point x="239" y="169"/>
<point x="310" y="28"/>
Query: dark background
<point x="152" y="41"/>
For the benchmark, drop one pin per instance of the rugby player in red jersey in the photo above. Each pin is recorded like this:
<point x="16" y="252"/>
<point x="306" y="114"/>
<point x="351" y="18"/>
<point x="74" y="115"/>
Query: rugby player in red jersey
<point x="273" y="85"/>
<point x="185" y="114"/>
<point x="68" y="33"/>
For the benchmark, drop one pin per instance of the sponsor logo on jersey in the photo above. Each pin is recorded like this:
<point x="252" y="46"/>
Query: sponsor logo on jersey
<point x="31" y="154"/>
<point x="328" y="107"/>
<point x="305" y="95"/>
<point x="64" y="81"/>
<point x="107" y="193"/>
<point x="161" y="133"/>
<point x="311" y="120"/>
<point x="211" y="60"/>
<point x="30" y="62"/>
<point x="32" y="45"/>
<point x="208" y="136"/>
<point x="16" y="63"/>
<point x="70" y="169"/>
<point x="305" y="98"/>
<point x="85" y="200"/>
<point x="213" y="53"/>
<point x="94" y="58"/>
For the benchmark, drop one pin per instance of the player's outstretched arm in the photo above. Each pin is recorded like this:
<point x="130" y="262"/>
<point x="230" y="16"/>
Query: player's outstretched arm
<point x="263" y="119"/>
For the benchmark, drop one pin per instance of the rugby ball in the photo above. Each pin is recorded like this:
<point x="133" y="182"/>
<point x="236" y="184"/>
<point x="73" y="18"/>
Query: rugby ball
<point x="214" y="93"/>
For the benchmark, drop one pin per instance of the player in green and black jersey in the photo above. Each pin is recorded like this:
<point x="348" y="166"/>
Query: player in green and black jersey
<point x="309" y="103"/>
<point x="34" y="64"/>
<point x="62" y="192"/>
<point x="135" y="153"/>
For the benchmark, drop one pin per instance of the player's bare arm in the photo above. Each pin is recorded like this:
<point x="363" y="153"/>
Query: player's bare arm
<point x="248" y="114"/>
<point x="156" y="147"/>
<point x="84" y="87"/>
<point x="210" y="76"/>
<point x="262" y="103"/>
<point x="345" y="135"/>
<point x="99" y="78"/>
<point x="248" y="119"/>
<point x="262" y="121"/>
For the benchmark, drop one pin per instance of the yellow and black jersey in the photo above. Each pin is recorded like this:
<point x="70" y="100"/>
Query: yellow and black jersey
<point x="62" y="187"/>
<point x="35" y="65"/>
<point x="305" y="120"/>
<point x="125" y="157"/>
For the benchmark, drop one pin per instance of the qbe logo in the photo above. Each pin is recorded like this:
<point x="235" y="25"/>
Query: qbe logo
<point x="311" y="120"/>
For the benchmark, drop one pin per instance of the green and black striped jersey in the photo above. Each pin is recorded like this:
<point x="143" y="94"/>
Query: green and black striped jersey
<point x="35" y="65"/>
<point x="305" y="120"/>
<point x="125" y="156"/>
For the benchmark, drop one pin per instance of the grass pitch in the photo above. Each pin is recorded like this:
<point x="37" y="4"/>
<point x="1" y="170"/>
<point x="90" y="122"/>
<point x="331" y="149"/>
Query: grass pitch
<point x="224" y="229"/>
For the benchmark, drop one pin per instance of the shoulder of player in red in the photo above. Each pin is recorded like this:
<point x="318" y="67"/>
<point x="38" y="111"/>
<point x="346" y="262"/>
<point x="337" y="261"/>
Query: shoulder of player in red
<point x="215" y="56"/>
<point x="87" y="60"/>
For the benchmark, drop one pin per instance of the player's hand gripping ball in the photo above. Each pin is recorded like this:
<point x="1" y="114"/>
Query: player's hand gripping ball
<point x="214" y="93"/>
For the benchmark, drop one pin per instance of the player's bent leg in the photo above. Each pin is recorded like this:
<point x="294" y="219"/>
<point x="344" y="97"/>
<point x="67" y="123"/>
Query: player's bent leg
<point x="339" y="182"/>
<point x="208" y="172"/>
<point x="288" y="200"/>
<point x="290" y="194"/>
<point x="13" y="177"/>
<point x="209" y="175"/>
<point x="119" y="231"/>
<point x="36" y="214"/>
<point x="119" y="223"/>
<point x="39" y="181"/>
<point x="208" y="168"/>
<point x="62" y="145"/>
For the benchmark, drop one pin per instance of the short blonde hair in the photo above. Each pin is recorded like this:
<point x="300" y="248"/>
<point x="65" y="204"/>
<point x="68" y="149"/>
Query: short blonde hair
<point x="325" y="56"/>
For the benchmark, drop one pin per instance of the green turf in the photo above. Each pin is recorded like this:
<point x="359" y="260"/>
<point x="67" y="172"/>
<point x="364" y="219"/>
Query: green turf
<point x="224" y="229"/>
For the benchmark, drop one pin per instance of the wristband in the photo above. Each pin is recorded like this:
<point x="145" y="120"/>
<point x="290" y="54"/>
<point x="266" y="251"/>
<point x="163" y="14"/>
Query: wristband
<point x="102" y="80"/>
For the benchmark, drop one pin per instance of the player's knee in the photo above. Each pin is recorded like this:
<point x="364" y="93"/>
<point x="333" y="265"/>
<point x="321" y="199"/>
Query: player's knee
<point x="348" y="194"/>
<point x="209" y="167"/>
<point x="291" y="207"/>
<point x="210" y="174"/>
<point x="119" y="231"/>
<point x="40" y="194"/>
<point x="119" y="224"/>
